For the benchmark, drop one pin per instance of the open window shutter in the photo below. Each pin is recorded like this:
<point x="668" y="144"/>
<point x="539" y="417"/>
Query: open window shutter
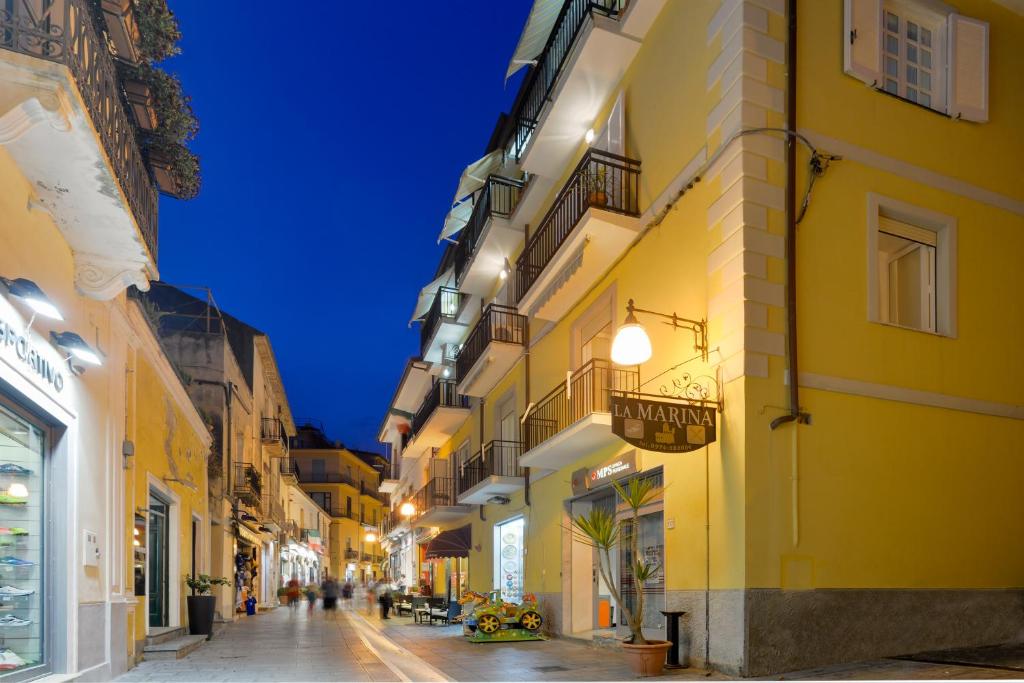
<point x="862" y="48"/>
<point x="968" y="68"/>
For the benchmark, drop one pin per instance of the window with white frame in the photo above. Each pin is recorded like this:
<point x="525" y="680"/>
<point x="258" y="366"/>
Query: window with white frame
<point x="919" y="50"/>
<point x="911" y="266"/>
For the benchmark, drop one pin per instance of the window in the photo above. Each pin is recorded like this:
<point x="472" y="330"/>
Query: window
<point x="921" y="51"/>
<point x="508" y="559"/>
<point x="912" y="271"/>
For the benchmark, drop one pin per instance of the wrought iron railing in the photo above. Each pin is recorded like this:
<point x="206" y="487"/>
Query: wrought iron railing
<point x="447" y="304"/>
<point x="272" y="432"/>
<point x="63" y="31"/>
<point x="246" y="484"/>
<point x="537" y="87"/>
<point x="289" y="468"/>
<point x="586" y="392"/>
<point x="601" y="180"/>
<point x="497" y="324"/>
<point x="344" y="512"/>
<point x="442" y="394"/>
<point x="498" y="197"/>
<point x="496" y="458"/>
<point x="438" y="492"/>
<point x="325" y="478"/>
<point x="351" y="554"/>
<point x="365" y="490"/>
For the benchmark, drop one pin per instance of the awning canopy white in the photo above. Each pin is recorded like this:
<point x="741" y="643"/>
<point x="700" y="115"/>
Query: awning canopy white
<point x="535" y="34"/>
<point x="427" y="294"/>
<point x="473" y="178"/>
<point x="457" y="218"/>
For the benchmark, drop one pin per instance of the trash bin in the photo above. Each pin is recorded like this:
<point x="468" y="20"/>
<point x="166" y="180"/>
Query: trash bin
<point x="250" y="606"/>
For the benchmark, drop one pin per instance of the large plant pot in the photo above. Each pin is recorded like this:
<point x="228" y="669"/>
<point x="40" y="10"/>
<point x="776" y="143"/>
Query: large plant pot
<point x="649" y="659"/>
<point x="200" y="614"/>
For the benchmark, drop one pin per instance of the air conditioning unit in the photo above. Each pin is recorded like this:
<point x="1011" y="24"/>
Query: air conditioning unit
<point x="499" y="500"/>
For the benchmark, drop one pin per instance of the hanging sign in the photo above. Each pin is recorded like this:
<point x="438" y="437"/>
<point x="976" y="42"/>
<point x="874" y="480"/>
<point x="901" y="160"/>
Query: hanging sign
<point x="585" y="479"/>
<point x="662" y="426"/>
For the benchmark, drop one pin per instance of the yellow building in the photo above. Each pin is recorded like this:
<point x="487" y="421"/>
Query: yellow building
<point x="343" y="483"/>
<point x="662" y="153"/>
<point x="167" y="527"/>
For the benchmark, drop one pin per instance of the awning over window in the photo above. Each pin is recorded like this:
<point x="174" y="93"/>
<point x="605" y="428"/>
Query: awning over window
<point x="452" y="543"/>
<point x="535" y="34"/>
<point x="427" y="294"/>
<point x="456" y="219"/>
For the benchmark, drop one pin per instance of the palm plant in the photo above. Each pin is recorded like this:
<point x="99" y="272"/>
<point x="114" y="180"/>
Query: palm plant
<point x="604" y="532"/>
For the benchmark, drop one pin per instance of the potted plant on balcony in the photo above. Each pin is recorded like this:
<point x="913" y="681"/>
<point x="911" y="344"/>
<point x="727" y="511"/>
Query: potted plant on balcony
<point x="158" y="30"/>
<point x="601" y="530"/>
<point x="597" y="186"/>
<point x="201" y="604"/>
<point x="175" y="169"/>
<point x="122" y="28"/>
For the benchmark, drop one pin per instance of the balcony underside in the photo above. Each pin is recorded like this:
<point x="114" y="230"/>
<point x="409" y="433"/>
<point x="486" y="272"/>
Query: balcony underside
<point x="48" y="133"/>
<point x="598" y="240"/>
<point x="498" y="242"/>
<point x="601" y="57"/>
<point x="496" y="360"/>
<point x="388" y="485"/>
<point x="584" y="436"/>
<point x="438" y="428"/>
<point x="493" y="485"/>
<point x="442" y="514"/>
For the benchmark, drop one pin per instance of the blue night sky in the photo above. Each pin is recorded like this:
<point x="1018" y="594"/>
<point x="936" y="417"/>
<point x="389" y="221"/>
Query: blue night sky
<point x="332" y="139"/>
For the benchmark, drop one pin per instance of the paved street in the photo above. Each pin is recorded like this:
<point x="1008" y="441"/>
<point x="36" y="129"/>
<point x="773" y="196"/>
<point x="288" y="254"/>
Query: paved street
<point x="292" y="646"/>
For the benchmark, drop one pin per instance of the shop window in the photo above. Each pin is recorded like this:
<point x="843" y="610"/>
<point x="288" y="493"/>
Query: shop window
<point x="508" y="559"/>
<point x="911" y="271"/>
<point x="921" y="52"/>
<point x="22" y="501"/>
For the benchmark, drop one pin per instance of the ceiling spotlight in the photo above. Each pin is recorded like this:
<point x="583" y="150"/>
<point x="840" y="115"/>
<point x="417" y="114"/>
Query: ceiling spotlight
<point x="33" y="296"/>
<point x="76" y="346"/>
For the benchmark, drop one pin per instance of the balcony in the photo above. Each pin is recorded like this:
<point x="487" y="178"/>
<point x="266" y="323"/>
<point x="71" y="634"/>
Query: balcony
<point x="589" y="49"/>
<point x="436" y="502"/>
<point x="289" y="470"/>
<point x="568" y="424"/>
<point x="393" y="523"/>
<point x="352" y="555"/>
<point x="493" y="347"/>
<point x="488" y="238"/>
<point x="445" y="324"/>
<point x="344" y="513"/>
<point x="246" y="484"/>
<point x="443" y="411"/>
<point x="63" y="121"/>
<point x="274" y="438"/>
<point x="494" y="471"/>
<point x="325" y="478"/>
<point x="591" y="223"/>
<point x="291" y="529"/>
<point x="369" y="492"/>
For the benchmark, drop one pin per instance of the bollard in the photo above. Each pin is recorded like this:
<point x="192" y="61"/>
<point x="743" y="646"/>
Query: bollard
<point x="672" y="630"/>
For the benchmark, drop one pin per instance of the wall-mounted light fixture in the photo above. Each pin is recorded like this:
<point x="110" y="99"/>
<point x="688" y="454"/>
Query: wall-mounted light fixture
<point x="77" y="348"/>
<point x="589" y="135"/>
<point x="632" y="346"/>
<point x="407" y="509"/>
<point x="370" y="537"/>
<point x="33" y="296"/>
<point x="506" y="270"/>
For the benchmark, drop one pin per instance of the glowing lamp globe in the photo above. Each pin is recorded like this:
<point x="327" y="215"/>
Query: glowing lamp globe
<point x="407" y="510"/>
<point x="631" y="345"/>
<point x="370" y="537"/>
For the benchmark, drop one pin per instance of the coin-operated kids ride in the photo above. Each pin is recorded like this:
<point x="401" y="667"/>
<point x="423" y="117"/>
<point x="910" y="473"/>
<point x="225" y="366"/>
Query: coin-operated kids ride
<point x="488" y="618"/>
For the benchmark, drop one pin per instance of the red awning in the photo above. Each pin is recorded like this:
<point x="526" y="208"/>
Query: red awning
<point x="452" y="543"/>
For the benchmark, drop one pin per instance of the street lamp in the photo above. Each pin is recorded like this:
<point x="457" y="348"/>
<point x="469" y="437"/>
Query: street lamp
<point x="632" y="346"/>
<point x="407" y="509"/>
<point x="370" y="537"/>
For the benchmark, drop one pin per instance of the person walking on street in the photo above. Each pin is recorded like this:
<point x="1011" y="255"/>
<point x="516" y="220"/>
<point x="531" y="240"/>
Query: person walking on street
<point x="330" y="590"/>
<point x="371" y="596"/>
<point x="311" y="598"/>
<point x="384" y="588"/>
<point x="293" y="593"/>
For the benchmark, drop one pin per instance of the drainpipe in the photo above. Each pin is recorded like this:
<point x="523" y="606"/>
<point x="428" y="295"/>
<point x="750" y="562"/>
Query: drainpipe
<point x="794" y="414"/>
<point x="526" y="389"/>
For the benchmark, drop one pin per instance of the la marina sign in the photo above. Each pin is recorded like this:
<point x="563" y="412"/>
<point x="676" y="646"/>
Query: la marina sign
<point x="16" y="344"/>
<point x="661" y="425"/>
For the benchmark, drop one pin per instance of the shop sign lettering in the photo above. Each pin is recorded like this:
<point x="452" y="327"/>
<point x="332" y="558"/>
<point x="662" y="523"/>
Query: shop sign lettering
<point x="584" y="479"/>
<point x="17" y="344"/>
<point x="662" y="426"/>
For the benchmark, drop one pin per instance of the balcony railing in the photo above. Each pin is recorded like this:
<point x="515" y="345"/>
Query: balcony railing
<point x="587" y="392"/>
<point x="289" y="468"/>
<point x="498" y="323"/>
<point x="344" y="512"/>
<point x="536" y="89"/>
<point x="497" y="458"/>
<point x="291" y="528"/>
<point x="351" y="554"/>
<point x="601" y="180"/>
<point x="325" y="478"/>
<point x="272" y="432"/>
<point x="442" y="394"/>
<point x="365" y="490"/>
<point x="438" y="492"/>
<point x="499" y="197"/>
<point x="246" y="483"/>
<point x="446" y="307"/>
<point x="63" y="31"/>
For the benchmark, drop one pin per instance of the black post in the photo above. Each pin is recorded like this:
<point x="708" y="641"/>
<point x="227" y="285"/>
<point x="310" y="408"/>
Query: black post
<point x="673" y="636"/>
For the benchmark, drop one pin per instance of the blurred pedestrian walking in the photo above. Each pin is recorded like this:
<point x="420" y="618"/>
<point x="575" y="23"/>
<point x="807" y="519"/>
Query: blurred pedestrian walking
<point x="293" y="593"/>
<point x="330" y="590"/>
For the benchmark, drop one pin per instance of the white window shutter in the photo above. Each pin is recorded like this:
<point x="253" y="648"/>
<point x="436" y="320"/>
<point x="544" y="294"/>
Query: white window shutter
<point x="862" y="36"/>
<point x="968" y="68"/>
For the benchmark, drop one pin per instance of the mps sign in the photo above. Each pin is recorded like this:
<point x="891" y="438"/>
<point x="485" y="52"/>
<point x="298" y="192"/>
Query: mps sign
<point x="584" y="480"/>
<point x="662" y="426"/>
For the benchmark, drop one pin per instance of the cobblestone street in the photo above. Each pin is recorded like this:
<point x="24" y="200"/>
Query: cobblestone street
<point x="282" y="645"/>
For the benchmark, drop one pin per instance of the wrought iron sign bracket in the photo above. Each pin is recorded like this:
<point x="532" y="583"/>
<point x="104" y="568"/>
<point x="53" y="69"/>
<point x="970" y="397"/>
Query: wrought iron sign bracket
<point x="698" y="327"/>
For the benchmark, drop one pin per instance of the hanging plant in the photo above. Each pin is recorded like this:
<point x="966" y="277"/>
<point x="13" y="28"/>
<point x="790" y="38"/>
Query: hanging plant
<point x="171" y="107"/>
<point x="158" y="30"/>
<point x="175" y="168"/>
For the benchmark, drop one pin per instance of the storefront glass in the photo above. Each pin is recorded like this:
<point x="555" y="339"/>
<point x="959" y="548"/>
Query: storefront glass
<point x="22" y="511"/>
<point x="508" y="559"/>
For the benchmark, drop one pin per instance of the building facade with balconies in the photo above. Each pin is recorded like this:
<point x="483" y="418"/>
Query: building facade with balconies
<point x="658" y="158"/>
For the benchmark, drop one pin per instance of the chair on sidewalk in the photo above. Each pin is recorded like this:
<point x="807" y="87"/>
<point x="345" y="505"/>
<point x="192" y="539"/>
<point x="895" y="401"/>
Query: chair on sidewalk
<point x="403" y="604"/>
<point x="420" y="609"/>
<point x="440" y="610"/>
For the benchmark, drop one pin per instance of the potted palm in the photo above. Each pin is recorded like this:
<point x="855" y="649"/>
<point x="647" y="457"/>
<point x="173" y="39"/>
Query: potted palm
<point x="201" y="604"/>
<point x="597" y="186"/>
<point x="602" y="531"/>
